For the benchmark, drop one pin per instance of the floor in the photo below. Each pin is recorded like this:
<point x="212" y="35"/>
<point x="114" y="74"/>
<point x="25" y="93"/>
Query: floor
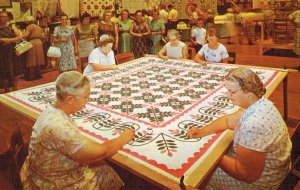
<point x="246" y="55"/>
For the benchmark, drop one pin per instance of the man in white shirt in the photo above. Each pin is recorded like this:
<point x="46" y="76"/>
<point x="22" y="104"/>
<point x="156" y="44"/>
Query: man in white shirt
<point x="198" y="35"/>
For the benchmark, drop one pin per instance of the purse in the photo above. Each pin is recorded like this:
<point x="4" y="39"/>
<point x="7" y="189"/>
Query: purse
<point x="54" y="52"/>
<point x="22" y="47"/>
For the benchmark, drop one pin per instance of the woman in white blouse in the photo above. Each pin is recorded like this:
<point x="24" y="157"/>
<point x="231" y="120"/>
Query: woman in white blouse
<point x="213" y="51"/>
<point x="102" y="58"/>
<point x="174" y="49"/>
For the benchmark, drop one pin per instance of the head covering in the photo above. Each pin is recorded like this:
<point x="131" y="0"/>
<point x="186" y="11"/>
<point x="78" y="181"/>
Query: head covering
<point x="29" y="19"/>
<point x="103" y="37"/>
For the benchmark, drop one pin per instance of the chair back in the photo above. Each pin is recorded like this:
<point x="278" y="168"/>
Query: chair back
<point x="124" y="57"/>
<point x="83" y="62"/>
<point x="232" y="57"/>
<point x="17" y="154"/>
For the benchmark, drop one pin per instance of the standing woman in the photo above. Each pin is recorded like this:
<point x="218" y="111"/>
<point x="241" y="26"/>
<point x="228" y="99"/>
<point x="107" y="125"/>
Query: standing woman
<point x="157" y="28"/>
<point x="86" y="34"/>
<point x="106" y="26"/>
<point x="65" y="39"/>
<point x="10" y="67"/>
<point x="295" y="18"/>
<point x="124" y="29"/>
<point x="35" y="56"/>
<point x="139" y="30"/>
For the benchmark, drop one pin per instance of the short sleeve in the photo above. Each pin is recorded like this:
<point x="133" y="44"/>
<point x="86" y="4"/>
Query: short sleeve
<point x="224" y="53"/>
<point x="64" y="138"/>
<point x="254" y="137"/>
<point x="94" y="57"/>
<point x="55" y="33"/>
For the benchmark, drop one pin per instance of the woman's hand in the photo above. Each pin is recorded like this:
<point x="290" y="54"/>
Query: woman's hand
<point x="128" y="134"/>
<point x="193" y="133"/>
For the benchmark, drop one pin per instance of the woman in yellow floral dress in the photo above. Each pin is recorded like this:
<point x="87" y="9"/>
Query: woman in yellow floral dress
<point x="59" y="156"/>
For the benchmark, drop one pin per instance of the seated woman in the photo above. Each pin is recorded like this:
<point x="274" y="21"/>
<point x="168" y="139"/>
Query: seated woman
<point x="59" y="155"/>
<point x="260" y="155"/>
<point x="102" y="58"/>
<point x="213" y="51"/>
<point x="174" y="49"/>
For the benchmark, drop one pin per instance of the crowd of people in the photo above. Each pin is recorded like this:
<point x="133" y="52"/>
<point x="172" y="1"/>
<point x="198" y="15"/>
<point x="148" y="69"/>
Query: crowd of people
<point x="60" y="157"/>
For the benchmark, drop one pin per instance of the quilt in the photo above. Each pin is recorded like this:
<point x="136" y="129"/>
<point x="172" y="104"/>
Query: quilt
<point x="161" y="100"/>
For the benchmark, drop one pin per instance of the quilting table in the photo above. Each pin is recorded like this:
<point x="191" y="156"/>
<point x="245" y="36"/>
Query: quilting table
<point x="161" y="100"/>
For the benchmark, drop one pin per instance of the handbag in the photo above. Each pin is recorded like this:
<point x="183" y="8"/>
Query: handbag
<point x="54" y="52"/>
<point x="22" y="47"/>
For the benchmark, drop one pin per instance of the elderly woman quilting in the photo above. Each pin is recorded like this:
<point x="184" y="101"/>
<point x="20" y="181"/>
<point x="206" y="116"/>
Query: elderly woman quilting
<point x="102" y="58"/>
<point x="60" y="157"/>
<point x="260" y="155"/>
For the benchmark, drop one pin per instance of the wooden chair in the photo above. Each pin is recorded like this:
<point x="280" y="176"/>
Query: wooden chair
<point x="232" y="57"/>
<point x="17" y="154"/>
<point x="124" y="57"/>
<point x="83" y="62"/>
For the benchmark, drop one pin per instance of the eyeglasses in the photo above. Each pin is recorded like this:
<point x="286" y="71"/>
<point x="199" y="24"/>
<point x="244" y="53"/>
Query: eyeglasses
<point x="230" y="92"/>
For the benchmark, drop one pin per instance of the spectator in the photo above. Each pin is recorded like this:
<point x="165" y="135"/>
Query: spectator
<point x="198" y="35"/>
<point x="35" y="56"/>
<point x="10" y="67"/>
<point x="295" y="17"/>
<point x="163" y="14"/>
<point x="140" y="32"/>
<point x="124" y="31"/>
<point x="173" y="17"/>
<point x="157" y="29"/>
<point x="108" y="27"/>
<point x="65" y="39"/>
<point x="86" y="34"/>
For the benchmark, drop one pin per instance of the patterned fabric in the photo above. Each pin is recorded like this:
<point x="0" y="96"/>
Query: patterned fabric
<point x="263" y="130"/>
<point x="125" y="37"/>
<point x="67" y="60"/>
<point x="156" y="26"/>
<point x="295" y="16"/>
<point x="214" y="55"/>
<point x="54" y="138"/>
<point x="83" y="32"/>
<point x="108" y="29"/>
<point x="139" y="43"/>
<point x="9" y="62"/>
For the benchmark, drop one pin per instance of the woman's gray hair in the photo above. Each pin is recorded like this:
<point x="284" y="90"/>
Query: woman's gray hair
<point x="71" y="83"/>
<point x="247" y="80"/>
